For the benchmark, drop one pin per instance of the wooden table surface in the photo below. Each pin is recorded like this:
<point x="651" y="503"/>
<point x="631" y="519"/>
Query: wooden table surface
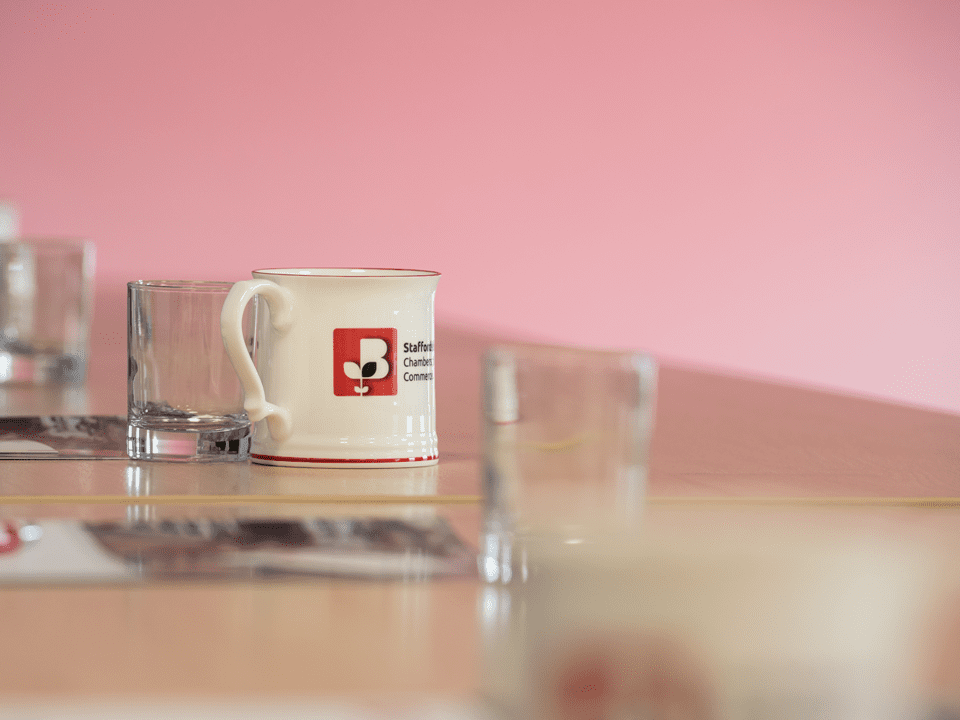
<point x="726" y="451"/>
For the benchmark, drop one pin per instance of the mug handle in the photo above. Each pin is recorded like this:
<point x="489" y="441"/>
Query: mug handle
<point x="280" y="301"/>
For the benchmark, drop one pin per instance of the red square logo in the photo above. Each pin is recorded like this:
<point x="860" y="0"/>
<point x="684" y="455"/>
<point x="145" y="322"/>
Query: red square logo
<point x="364" y="361"/>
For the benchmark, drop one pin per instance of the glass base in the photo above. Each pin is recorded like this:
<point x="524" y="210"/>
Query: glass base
<point x="190" y="444"/>
<point x="41" y="367"/>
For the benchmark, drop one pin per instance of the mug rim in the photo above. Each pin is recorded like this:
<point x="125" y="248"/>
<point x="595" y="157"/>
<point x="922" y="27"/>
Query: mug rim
<point x="343" y="272"/>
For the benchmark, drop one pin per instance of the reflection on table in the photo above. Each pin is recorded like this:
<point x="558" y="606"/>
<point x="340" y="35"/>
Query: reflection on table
<point x="793" y="457"/>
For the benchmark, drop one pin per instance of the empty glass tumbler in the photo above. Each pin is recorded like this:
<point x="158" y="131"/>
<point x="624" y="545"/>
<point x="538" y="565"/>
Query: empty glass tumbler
<point x="184" y="400"/>
<point x="46" y="305"/>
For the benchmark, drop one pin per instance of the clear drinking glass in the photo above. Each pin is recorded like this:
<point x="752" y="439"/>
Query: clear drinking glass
<point x="566" y="441"/>
<point x="46" y="305"/>
<point x="184" y="400"/>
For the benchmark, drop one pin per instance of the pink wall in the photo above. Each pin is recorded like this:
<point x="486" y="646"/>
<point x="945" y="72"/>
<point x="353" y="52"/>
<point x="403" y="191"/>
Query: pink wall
<point x="768" y="188"/>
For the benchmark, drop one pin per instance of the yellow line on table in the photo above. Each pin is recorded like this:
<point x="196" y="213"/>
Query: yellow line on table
<point x="710" y="501"/>
<point x="931" y="502"/>
<point x="238" y="499"/>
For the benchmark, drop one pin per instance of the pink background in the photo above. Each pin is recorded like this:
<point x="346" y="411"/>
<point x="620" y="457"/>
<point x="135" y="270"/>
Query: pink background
<point x="767" y="188"/>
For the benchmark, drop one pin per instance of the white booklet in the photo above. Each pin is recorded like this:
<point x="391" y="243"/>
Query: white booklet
<point x="63" y="437"/>
<point x="73" y="551"/>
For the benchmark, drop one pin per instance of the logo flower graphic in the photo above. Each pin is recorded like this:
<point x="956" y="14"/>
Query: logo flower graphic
<point x="373" y="364"/>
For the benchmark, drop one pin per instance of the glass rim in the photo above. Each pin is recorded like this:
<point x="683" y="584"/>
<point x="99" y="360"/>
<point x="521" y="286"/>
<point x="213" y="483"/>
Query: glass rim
<point x="182" y="285"/>
<point x="72" y="243"/>
<point x="345" y="272"/>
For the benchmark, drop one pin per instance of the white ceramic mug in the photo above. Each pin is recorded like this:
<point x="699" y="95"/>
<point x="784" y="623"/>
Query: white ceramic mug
<point x="346" y="366"/>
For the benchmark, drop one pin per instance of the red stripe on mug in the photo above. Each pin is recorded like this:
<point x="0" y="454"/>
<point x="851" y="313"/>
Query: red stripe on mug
<point x="280" y="458"/>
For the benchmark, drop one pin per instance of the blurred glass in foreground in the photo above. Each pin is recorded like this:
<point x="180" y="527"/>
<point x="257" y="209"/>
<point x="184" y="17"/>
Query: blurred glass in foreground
<point x="566" y="442"/>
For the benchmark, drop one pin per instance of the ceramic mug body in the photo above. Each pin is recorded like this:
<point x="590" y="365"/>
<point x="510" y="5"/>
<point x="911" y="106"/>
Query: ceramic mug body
<point x="344" y="372"/>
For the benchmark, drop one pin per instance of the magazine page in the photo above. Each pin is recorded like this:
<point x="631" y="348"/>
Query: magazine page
<point x="63" y="437"/>
<point x="259" y="549"/>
